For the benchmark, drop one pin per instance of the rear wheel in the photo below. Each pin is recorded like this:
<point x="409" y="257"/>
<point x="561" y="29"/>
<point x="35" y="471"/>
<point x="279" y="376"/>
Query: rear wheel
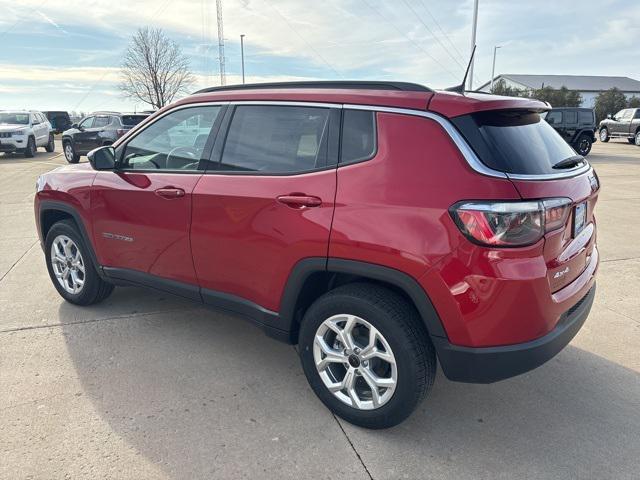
<point x="367" y="355"/>
<point x="604" y="135"/>
<point x="30" y="151"/>
<point x="637" y="138"/>
<point x="583" y="145"/>
<point x="70" y="267"/>
<point x="51" y="145"/>
<point x="69" y="152"/>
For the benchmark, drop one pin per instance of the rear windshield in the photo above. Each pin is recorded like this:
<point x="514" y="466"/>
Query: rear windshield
<point x="131" y="120"/>
<point x="514" y="141"/>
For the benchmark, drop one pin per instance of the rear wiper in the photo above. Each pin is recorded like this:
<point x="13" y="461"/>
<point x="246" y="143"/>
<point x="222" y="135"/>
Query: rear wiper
<point x="570" y="162"/>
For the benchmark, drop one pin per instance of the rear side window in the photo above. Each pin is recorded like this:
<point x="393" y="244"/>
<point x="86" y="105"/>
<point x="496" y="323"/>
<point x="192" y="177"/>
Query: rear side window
<point x="514" y="141"/>
<point x="554" y="117"/>
<point x="358" y="136"/>
<point x="276" y="139"/>
<point x="585" y="117"/>
<point x="571" y="117"/>
<point x="131" y="120"/>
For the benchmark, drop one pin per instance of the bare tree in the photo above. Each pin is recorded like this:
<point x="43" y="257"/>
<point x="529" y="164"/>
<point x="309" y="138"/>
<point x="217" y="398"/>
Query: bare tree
<point x="154" y="69"/>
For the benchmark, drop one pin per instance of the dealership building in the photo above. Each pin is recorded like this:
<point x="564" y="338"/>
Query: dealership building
<point x="589" y="86"/>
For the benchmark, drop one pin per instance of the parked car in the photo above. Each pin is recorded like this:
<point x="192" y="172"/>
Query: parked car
<point x="624" y="124"/>
<point x="379" y="226"/>
<point x="24" y="131"/>
<point x="60" y="121"/>
<point x="97" y="130"/>
<point x="576" y="125"/>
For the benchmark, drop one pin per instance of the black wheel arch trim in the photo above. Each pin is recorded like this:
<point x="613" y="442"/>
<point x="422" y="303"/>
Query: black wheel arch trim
<point x="52" y="205"/>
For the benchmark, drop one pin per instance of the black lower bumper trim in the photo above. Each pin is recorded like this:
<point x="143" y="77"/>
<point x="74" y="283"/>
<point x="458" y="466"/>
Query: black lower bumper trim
<point x="491" y="364"/>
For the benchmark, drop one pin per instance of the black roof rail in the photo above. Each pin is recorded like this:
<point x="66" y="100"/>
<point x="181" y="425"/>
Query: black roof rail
<point x="346" y="84"/>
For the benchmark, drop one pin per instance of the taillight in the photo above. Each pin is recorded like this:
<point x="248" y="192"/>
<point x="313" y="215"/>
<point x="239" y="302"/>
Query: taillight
<point x="510" y="224"/>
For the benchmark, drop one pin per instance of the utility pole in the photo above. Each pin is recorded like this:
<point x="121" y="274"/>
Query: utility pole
<point x="242" y="54"/>
<point x="223" y="80"/>
<point x="473" y="40"/>
<point x="493" y="68"/>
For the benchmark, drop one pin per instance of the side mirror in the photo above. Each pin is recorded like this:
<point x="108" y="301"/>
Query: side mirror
<point x="102" y="158"/>
<point x="608" y="115"/>
<point x="74" y="125"/>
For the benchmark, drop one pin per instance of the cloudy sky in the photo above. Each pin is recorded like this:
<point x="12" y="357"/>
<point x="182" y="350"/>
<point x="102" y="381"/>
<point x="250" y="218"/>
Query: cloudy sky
<point x="66" y="54"/>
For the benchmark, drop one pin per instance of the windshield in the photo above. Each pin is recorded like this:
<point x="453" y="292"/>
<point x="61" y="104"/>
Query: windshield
<point x="10" y="118"/>
<point x="514" y="141"/>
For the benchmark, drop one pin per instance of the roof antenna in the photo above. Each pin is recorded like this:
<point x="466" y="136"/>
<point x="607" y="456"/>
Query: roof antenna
<point x="461" y="88"/>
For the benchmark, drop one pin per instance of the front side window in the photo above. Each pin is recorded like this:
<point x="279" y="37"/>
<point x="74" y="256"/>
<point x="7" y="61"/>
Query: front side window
<point x="276" y="139"/>
<point x="87" y="122"/>
<point x="358" y="135"/>
<point x="554" y="117"/>
<point x="174" y="142"/>
<point x="637" y="113"/>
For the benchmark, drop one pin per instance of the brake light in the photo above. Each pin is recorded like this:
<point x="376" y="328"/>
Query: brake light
<point x="510" y="224"/>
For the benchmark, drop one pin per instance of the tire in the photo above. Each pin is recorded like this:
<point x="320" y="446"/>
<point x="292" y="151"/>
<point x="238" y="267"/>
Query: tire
<point x="69" y="152"/>
<point x="637" y="139"/>
<point x="51" y="144"/>
<point x="400" y="329"/>
<point x="583" y="145"/>
<point x="604" y="135"/>
<point x="30" y="151"/>
<point x="93" y="289"/>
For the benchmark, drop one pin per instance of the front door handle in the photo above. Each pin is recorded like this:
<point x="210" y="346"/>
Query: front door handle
<point x="170" y="192"/>
<point x="299" y="200"/>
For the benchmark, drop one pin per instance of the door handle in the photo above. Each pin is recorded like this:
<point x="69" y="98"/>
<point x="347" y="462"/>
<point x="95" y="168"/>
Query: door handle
<point x="170" y="192"/>
<point x="299" y="200"/>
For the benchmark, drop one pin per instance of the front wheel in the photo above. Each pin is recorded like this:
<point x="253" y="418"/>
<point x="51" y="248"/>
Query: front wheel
<point x="637" y="138"/>
<point x="583" y="145"/>
<point x="604" y="135"/>
<point x="69" y="152"/>
<point x="367" y="354"/>
<point x="30" y="151"/>
<point x="51" y="144"/>
<point x="70" y="267"/>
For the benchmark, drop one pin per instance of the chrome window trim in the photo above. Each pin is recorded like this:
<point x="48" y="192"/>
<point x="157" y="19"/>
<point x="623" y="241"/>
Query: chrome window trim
<point x="467" y="152"/>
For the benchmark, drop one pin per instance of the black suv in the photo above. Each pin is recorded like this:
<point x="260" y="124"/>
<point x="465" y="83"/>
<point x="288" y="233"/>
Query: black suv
<point x="97" y="130"/>
<point x="60" y="121"/>
<point x="576" y="125"/>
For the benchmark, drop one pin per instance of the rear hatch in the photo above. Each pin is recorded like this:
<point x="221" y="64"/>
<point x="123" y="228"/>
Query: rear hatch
<point x="541" y="165"/>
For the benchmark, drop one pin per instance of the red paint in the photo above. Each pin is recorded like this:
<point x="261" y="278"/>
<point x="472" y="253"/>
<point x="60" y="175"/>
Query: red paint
<point x="243" y="234"/>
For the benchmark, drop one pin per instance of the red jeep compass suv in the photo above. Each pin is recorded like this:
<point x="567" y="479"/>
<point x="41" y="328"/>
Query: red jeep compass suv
<point x="377" y="225"/>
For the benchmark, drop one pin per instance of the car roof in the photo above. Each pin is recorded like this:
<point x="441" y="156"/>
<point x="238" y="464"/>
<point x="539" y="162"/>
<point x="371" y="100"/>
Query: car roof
<point x="383" y="94"/>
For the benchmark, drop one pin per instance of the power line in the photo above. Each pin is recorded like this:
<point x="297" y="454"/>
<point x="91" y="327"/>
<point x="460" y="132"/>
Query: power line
<point x="441" y="29"/>
<point x="303" y="40"/>
<point x="433" y="34"/>
<point x="417" y="45"/>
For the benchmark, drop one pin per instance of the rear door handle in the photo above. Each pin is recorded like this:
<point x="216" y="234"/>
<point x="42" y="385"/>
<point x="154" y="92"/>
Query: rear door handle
<point x="299" y="200"/>
<point x="170" y="192"/>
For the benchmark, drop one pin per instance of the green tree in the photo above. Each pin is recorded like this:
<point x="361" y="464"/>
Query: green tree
<point x="562" y="97"/>
<point x="609" y="102"/>
<point x="634" y="102"/>
<point x="501" y="88"/>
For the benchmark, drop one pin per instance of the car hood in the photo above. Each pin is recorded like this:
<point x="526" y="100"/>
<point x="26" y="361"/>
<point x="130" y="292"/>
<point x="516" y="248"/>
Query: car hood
<point x="76" y="167"/>
<point x="11" y="127"/>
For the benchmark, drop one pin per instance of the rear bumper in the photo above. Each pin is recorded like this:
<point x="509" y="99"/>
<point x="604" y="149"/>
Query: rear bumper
<point x="490" y="364"/>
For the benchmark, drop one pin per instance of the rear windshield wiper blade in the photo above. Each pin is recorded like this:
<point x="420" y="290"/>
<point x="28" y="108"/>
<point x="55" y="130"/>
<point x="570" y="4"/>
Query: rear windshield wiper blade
<point x="570" y="162"/>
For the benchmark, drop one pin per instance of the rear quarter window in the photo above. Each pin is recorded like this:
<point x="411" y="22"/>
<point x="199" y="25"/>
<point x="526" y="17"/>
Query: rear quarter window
<point x="132" y="120"/>
<point x="514" y="141"/>
<point x="358" y="136"/>
<point x="585" y="117"/>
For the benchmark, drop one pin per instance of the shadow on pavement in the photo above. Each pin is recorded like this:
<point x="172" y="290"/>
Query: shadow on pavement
<point x="203" y="394"/>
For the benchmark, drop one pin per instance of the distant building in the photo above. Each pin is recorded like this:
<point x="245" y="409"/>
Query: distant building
<point x="589" y="86"/>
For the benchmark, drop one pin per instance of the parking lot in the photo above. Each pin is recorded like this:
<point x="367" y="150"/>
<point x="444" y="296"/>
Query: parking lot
<point x="145" y="385"/>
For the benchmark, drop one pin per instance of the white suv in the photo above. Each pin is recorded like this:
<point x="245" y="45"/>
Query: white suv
<point x="25" y="131"/>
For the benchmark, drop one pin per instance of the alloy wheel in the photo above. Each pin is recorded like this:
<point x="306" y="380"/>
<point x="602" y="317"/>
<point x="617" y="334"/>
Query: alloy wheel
<point x="638" y="139"/>
<point x="355" y="362"/>
<point x="67" y="264"/>
<point x="68" y="152"/>
<point x="603" y="135"/>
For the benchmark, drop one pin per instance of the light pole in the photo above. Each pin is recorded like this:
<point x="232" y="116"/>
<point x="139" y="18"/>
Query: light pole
<point x="242" y="54"/>
<point x="473" y="41"/>
<point x="493" y="68"/>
